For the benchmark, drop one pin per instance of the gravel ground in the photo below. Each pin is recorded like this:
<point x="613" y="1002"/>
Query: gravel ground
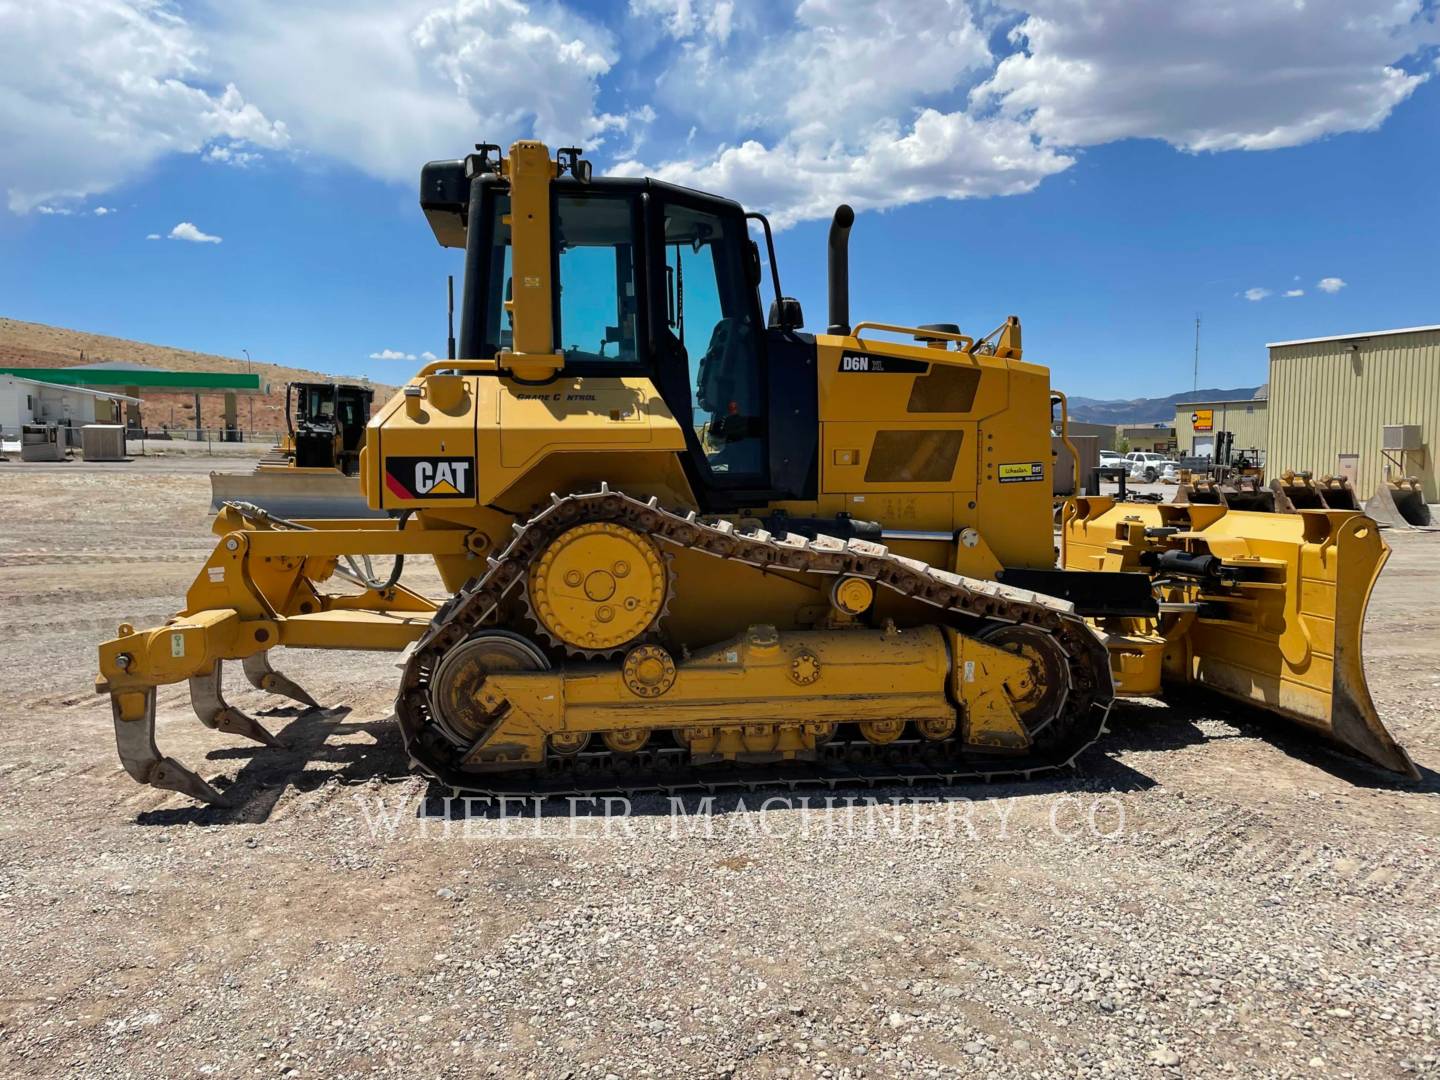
<point x="1205" y="895"/>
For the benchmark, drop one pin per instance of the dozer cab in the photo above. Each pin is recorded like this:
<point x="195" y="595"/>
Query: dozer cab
<point x="326" y="422"/>
<point x="312" y="473"/>
<point x="686" y="543"/>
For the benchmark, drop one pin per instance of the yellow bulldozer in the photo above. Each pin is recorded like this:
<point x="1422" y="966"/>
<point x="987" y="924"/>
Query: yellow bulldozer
<point x="687" y="545"/>
<point x="311" y="473"/>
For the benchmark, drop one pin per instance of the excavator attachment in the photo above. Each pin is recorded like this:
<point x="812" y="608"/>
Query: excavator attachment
<point x="1288" y="493"/>
<point x="1338" y="493"/>
<point x="287" y="491"/>
<point x="1244" y="493"/>
<point x="1265" y="608"/>
<point x="1400" y="504"/>
<point x="1247" y="493"/>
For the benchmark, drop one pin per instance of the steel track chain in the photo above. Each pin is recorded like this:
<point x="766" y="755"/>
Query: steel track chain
<point x="841" y="764"/>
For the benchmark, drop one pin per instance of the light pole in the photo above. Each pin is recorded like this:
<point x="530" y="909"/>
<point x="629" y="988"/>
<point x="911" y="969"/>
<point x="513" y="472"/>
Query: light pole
<point x="249" y="370"/>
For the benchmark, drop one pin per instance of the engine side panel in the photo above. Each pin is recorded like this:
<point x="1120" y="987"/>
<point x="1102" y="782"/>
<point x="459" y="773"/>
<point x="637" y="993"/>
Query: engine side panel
<point x="938" y="440"/>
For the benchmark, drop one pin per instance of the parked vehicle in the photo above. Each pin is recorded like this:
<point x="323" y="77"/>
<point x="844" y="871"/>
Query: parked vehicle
<point x="1147" y="464"/>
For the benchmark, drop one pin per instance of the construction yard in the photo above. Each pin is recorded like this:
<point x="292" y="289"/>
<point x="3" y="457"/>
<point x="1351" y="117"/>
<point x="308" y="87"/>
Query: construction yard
<point x="1206" y="895"/>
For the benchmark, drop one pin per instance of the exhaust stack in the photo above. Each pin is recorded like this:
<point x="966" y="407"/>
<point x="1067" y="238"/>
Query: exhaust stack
<point x="840" y="270"/>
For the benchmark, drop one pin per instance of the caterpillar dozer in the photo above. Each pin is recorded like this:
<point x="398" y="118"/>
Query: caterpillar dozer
<point x="312" y="473"/>
<point x="687" y="545"/>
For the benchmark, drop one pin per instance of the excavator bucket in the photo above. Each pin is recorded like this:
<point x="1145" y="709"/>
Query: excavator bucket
<point x="292" y="492"/>
<point x="1296" y="491"/>
<point x="1248" y="494"/>
<point x="1202" y="491"/>
<point x="1338" y="493"/>
<point x="1245" y="493"/>
<point x="1265" y="608"/>
<point x="1400" y="504"/>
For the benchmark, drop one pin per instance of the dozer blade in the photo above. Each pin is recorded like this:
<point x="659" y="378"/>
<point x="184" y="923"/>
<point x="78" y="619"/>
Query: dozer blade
<point x="1400" y="504"/>
<point x="293" y="493"/>
<point x="1277" y="622"/>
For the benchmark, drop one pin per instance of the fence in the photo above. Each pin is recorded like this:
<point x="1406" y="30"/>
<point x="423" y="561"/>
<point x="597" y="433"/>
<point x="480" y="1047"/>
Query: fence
<point x="147" y="440"/>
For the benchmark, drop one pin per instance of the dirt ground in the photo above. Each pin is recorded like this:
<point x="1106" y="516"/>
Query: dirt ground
<point x="1206" y="895"/>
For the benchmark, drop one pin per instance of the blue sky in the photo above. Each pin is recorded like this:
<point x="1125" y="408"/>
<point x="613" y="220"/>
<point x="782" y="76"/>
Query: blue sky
<point x="1103" y="169"/>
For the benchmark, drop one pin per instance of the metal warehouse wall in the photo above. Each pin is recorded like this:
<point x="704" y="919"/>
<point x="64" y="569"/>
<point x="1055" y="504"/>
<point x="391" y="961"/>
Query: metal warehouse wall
<point x="1103" y="433"/>
<point x="1248" y="420"/>
<point x="1328" y="399"/>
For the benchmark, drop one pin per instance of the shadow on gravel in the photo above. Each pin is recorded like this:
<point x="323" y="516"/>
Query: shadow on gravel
<point x="1093" y="774"/>
<point x="1172" y="725"/>
<point x="310" y="758"/>
<point x="306" y="759"/>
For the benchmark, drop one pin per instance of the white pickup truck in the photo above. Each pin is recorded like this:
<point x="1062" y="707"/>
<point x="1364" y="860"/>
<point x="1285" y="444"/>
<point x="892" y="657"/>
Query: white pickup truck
<point x="1147" y="464"/>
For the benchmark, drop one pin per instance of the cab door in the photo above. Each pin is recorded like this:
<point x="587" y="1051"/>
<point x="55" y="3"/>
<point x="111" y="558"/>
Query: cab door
<point x="710" y="346"/>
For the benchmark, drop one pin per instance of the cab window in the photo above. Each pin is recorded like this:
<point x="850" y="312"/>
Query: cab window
<point x="709" y="312"/>
<point x="596" y="306"/>
<point x="595" y="238"/>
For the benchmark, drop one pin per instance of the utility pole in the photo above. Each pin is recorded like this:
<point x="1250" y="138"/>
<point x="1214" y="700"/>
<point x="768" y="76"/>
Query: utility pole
<point x="1195" y="378"/>
<point x="250" y="370"/>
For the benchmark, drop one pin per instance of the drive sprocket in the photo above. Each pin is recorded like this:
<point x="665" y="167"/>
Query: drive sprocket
<point x="597" y="587"/>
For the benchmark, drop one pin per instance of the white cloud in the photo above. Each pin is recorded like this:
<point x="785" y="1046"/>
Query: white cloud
<point x="941" y="155"/>
<point x="1330" y="285"/>
<point x="59" y="211"/>
<point x="427" y="356"/>
<point x="101" y="211"/>
<point x="152" y="236"/>
<point x="387" y="85"/>
<point x="805" y="110"/>
<point x="1290" y="293"/>
<point x="842" y="65"/>
<point x="1256" y="294"/>
<point x="1250" y="76"/>
<point x="187" y="231"/>
<point x="791" y="109"/>
<point x="92" y="92"/>
<point x="391" y="354"/>
<point x="836" y="103"/>
<point x="230" y="155"/>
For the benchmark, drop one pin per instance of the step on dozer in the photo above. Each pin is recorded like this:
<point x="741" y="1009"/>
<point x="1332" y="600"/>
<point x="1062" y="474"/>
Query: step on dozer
<point x="1400" y="504"/>
<point x="657" y="578"/>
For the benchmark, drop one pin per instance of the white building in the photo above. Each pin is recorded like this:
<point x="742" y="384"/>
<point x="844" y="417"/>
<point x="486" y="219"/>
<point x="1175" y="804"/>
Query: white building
<point x="29" y="401"/>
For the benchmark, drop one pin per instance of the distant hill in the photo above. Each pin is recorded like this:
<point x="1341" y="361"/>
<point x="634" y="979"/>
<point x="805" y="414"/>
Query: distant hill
<point x="1148" y="410"/>
<point x="26" y="344"/>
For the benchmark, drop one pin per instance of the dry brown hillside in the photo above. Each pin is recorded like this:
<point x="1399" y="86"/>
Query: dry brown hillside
<point x="25" y="344"/>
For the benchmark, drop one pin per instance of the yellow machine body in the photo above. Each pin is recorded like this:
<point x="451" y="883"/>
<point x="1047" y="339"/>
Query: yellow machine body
<point x="882" y="600"/>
